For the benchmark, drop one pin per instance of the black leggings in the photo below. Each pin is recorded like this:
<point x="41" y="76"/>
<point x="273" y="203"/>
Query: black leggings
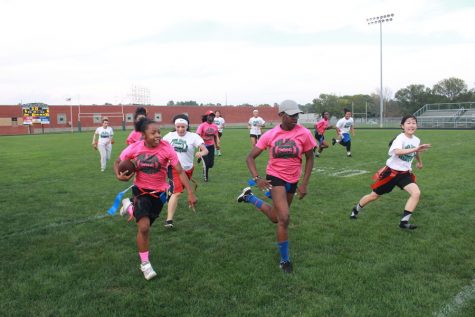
<point x="209" y="159"/>
<point x="347" y="145"/>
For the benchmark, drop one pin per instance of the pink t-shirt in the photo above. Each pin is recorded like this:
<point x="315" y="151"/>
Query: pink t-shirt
<point x="286" y="150"/>
<point x="207" y="132"/>
<point x="133" y="137"/>
<point x="321" y="125"/>
<point x="152" y="163"/>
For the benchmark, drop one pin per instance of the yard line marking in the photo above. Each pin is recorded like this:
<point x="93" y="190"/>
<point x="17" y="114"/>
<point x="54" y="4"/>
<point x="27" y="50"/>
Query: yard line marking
<point x="54" y="225"/>
<point x="339" y="173"/>
<point x="467" y="294"/>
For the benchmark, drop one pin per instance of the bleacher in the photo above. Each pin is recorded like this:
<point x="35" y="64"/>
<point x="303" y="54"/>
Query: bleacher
<point x="447" y="115"/>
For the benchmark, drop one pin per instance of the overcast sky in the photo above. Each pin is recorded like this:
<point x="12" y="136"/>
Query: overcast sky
<point x="234" y="52"/>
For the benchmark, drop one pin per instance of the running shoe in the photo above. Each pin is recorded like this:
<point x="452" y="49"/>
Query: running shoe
<point x="245" y="192"/>
<point x="125" y="206"/>
<point x="286" y="266"/>
<point x="147" y="270"/>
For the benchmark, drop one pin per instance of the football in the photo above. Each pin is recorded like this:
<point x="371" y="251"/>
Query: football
<point x="127" y="166"/>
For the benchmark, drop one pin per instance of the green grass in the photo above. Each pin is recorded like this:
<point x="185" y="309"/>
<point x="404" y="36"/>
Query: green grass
<point x="58" y="260"/>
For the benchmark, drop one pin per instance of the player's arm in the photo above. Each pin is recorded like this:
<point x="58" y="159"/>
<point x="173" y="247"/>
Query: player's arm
<point x="251" y="165"/>
<point x="186" y="183"/>
<point x="352" y="129"/>
<point x="217" y="141"/>
<point x="121" y="175"/>
<point x="202" y="152"/>
<point x="94" y="142"/>
<point x="419" y="160"/>
<point x="303" y="187"/>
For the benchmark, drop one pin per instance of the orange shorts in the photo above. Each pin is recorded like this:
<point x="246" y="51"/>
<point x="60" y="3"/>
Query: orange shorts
<point x="178" y="186"/>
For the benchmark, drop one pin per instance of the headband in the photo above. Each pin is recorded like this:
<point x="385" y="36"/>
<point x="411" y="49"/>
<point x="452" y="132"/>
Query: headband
<point x="180" y="120"/>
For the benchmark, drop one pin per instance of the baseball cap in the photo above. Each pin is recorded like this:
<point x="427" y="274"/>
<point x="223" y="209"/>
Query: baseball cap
<point x="290" y="107"/>
<point x="207" y="113"/>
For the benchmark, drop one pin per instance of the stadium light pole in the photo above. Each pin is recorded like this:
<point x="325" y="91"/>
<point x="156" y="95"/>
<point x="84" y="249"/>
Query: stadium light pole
<point x="380" y="20"/>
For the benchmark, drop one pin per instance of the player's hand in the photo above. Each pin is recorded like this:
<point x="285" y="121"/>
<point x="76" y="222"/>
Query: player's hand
<point x="94" y="145"/>
<point x="218" y="146"/>
<point x="192" y="201"/>
<point x="122" y="176"/>
<point x="301" y="191"/>
<point x="423" y="147"/>
<point x="263" y="184"/>
<point x="112" y="141"/>
<point x="419" y="165"/>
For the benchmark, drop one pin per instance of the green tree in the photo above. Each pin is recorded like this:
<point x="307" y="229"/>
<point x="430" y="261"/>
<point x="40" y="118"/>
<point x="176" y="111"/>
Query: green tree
<point x="413" y="97"/>
<point x="450" y="88"/>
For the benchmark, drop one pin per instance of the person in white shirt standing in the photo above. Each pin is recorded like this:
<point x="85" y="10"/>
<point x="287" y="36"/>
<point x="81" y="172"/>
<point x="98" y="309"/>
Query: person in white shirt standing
<point x="255" y="126"/>
<point x="219" y="121"/>
<point x="343" y="128"/>
<point x="105" y="139"/>
<point x="398" y="172"/>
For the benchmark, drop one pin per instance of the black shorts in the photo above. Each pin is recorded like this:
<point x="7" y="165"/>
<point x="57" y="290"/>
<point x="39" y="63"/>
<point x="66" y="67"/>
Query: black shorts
<point x="275" y="181"/>
<point x="146" y="205"/>
<point x="255" y="136"/>
<point x="320" y="138"/>
<point x="401" y="180"/>
<point x="220" y="134"/>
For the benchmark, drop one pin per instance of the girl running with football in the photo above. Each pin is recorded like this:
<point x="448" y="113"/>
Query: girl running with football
<point x="320" y="128"/>
<point x="185" y="144"/>
<point x="151" y="157"/>
<point x="287" y="143"/>
<point x="398" y="172"/>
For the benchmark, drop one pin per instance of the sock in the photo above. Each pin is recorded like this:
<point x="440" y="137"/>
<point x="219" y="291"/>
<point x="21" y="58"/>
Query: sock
<point x="143" y="256"/>
<point x="284" y="251"/>
<point x="358" y="207"/>
<point x="254" y="200"/>
<point x="406" y="216"/>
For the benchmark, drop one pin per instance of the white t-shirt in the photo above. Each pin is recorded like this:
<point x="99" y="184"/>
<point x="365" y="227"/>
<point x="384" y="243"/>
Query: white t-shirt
<point x="256" y="124"/>
<point x="105" y="135"/>
<point x="184" y="147"/>
<point x="345" y="125"/>
<point x="402" y="162"/>
<point x="220" y="123"/>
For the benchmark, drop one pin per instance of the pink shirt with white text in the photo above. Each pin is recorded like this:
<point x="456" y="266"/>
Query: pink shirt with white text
<point x="207" y="132"/>
<point x="151" y="163"/>
<point x="285" y="151"/>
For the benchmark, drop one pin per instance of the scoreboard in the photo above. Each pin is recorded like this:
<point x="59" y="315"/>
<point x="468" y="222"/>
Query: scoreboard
<point x="35" y="113"/>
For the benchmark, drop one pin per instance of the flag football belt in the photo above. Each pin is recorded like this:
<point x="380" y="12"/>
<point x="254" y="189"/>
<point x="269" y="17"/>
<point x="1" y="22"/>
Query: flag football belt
<point x="155" y="194"/>
<point x="380" y="180"/>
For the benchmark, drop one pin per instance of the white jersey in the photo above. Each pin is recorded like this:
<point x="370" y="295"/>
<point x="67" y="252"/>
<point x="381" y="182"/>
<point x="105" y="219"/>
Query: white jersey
<point x="256" y="124"/>
<point x="402" y="162"/>
<point x="105" y="135"/>
<point x="220" y="123"/>
<point x="345" y="125"/>
<point x="184" y="147"/>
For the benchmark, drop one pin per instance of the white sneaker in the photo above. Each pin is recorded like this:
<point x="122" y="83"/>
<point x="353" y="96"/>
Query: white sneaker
<point x="147" y="270"/>
<point x="125" y="205"/>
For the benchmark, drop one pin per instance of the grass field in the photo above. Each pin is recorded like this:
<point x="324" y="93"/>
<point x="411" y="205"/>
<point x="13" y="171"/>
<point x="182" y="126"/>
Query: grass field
<point x="59" y="257"/>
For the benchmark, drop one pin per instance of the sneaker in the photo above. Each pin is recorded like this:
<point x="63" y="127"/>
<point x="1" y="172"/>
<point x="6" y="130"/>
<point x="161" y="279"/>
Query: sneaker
<point x="348" y="154"/>
<point x="219" y="153"/>
<point x="333" y="141"/>
<point x="125" y="206"/>
<point x="286" y="266"/>
<point x="354" y="213"/>
<point x="406" y="225"/>
<point x="245" y="192"/>
<point x="169" y="224"/>
<point x="147" y="270"/>
<point x="317" y="154"/>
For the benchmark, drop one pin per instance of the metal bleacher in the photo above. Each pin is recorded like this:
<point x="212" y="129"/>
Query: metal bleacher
<point x="447" y="115"/>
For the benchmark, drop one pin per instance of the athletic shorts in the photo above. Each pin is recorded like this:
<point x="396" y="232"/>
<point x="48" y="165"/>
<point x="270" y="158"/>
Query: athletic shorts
<point x="177" y="185"/>
<point x="401" y="180"/>
<point x="290" y="188"/>
<point x="320" y="138"/>
<point x="345" y="137"/>
<point x="147" y="205"/>
<point x="255" y="136"/>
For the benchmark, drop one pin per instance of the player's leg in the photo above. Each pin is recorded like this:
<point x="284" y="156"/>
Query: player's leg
<point x="411" y="204"/>
<point x="253" y="140"/>
<point x="248" y="197"/>
<point x="173" y="201"/>
<point x="103" y="153"/>
<point x="366" y="199"/>
<point x="280" y="202"/>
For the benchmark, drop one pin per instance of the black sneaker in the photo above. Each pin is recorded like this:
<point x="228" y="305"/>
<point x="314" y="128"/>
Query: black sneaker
<point x="406" y="225"/>
<point x="245" y="192"/>
<point x="169" y="224"/>
<point x="333" y="141"/>
<point x="354" y="213"/>
<point x="286" y="266"/>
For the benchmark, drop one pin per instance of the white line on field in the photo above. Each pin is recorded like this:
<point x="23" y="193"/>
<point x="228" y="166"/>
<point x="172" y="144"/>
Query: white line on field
<point x="54" y="225"/>
<point x="467" y="294"/>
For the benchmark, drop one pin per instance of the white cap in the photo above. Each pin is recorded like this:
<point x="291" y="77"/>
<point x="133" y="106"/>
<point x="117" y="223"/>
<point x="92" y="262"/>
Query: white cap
<point x="290" y="107"/>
